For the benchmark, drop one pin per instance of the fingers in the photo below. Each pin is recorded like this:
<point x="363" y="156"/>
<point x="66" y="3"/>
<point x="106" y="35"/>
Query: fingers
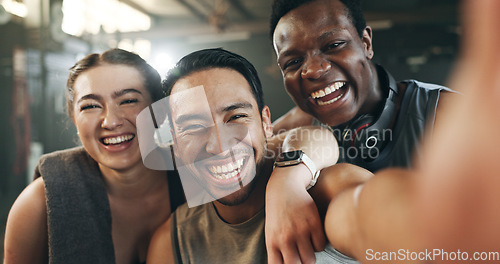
<point x="318" y="240"/>
<point x="291" y="254"/>
<point x="306" y="251"/>
<point x="294" y="249"/>
<point x="274" y="255"/>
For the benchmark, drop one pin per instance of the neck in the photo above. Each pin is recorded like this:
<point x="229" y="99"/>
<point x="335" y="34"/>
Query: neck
<point x="236" y="214"/>
<point x="377" y="93"/>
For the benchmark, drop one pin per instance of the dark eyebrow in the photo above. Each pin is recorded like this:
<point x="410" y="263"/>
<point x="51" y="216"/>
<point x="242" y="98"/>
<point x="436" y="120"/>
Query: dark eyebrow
<point x="115" y="95"/>
<point x="243" y="105"/>
<point x="125" y="91"/>
<point x="89" y="97"/>
<point x="286" y="53"/>
<point x="184" y="118"/>
<point x="322" y="37"/>
<point x="326" y="35"/>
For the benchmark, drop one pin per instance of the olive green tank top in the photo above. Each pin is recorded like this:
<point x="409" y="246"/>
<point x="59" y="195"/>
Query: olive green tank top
<point x="199" y="235"/>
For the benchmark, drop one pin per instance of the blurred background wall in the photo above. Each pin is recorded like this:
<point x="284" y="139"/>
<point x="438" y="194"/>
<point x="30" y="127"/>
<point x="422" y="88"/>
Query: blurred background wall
<point x="41" y="39"/>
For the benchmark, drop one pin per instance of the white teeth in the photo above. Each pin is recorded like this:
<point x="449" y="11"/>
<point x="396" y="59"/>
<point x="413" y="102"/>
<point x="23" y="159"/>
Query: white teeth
<point x="226" y="171"/>
<point x="117" y="140"/>
<point x="328" y="90"/>
<point x="330" y="101"/>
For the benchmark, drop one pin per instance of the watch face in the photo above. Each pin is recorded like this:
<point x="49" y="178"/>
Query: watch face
<point x="290" y="155"/>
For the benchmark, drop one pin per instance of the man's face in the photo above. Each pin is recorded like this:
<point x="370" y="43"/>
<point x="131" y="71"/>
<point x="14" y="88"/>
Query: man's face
<point x="221" y="140"/>
<point x="325" y="64"/>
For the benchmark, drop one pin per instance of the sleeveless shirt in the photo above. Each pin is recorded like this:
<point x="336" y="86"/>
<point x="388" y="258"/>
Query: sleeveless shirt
<point x="415" y="116"/>
<point x="199" y="235"/>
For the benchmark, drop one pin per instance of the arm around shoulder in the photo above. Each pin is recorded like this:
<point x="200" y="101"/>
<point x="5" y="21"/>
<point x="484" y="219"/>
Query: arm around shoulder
<point x="26" y="237"/>
<point x="160" y="248"/>
<point x="292" y="119"/>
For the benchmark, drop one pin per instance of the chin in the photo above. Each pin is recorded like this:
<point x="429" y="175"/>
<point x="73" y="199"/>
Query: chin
<point x="239" y="196"/>
<point x="234" y="199"/>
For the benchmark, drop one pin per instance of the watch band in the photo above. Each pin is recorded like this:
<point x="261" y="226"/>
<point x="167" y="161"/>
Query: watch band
<point x="313" y="180"/>
<point x="303" y="158"/>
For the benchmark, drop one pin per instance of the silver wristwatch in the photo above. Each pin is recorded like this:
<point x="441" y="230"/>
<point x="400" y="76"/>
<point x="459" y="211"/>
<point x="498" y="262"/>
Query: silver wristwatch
<point x="295" y="157"/>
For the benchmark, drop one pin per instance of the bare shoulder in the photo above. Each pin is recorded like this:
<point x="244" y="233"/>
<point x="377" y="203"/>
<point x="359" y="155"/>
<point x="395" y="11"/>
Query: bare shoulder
<point x="160" y="248"/>
<point x="26" y="239"/>
<point x="292" y="119"/>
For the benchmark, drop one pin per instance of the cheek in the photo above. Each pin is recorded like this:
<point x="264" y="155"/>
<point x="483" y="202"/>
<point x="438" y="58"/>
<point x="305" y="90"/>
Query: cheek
<point x="291" y="83"/>
<point x="83" y="124"/>
<point x="293" y="90"/>
<point x="132" y="113"/>
<point x="186" y="149"/>
<point x="258" y="140"/>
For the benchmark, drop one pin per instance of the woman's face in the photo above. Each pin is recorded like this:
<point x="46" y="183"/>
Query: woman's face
<point x="107" y="100"/>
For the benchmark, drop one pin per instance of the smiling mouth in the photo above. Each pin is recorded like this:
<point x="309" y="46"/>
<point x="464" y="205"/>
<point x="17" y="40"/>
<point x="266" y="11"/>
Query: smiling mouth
<point x="329" y="95"/>
<point x="226" y="171"/>
<point x="117" y="140"/>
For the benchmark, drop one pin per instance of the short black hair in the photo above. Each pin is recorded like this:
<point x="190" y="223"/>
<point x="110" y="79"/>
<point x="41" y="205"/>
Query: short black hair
<point x="282" y="7"/>
<point x="215" y="58"/>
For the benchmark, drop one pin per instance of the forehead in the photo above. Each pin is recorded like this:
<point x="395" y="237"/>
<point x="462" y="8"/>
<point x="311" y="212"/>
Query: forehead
<point x="108" y="78"/>
<point x="311" y="20"/>
<point x="219" y="87"/>
<point x="219" y="84"/>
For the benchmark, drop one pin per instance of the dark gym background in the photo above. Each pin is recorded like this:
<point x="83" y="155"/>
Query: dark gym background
<point x="412" y="38"/>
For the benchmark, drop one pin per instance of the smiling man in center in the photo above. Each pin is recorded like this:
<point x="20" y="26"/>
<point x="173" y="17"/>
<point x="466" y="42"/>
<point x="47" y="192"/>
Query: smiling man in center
<point x="223" y="138"/>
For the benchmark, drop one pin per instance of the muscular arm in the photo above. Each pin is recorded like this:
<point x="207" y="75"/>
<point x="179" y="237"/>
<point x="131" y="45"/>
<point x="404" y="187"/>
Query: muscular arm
<point x="293" y="224"/>
<point x="375" y="215"/>
<point x="26" y="239"/>
<point x="160" y="248"/>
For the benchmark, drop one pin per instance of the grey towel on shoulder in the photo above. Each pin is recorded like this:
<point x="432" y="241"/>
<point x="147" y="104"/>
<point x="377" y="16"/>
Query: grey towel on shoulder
<point x="79" y="217"/>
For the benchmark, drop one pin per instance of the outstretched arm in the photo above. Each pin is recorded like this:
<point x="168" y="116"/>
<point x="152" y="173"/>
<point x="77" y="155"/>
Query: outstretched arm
<point x="460" y="170"/>
<point x="450" y="202"/>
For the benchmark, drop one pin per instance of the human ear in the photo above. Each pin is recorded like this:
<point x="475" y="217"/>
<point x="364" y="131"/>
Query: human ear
<point x="266" y="122"/>
<point x="367" y="42"/>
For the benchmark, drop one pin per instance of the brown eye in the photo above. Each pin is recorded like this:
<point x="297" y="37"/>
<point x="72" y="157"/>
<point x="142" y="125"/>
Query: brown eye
<point x="130" y="101"/>
<point x="292" y="63"/>
<point x="88" y="106"/>
<point x="234" y="117"/>
<point x="193" y="129"/>
<point x="334" y="45"/>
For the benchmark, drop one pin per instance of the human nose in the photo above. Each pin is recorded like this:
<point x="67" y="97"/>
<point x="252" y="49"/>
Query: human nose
<point x="222" y="137"/>
<point x="112" y="119"/>
<point x="214" y="144"/>
<point x="314" y="67"/>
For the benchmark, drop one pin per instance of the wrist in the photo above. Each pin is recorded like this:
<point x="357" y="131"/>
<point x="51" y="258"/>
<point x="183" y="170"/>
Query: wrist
<point x="298" y="175"/>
